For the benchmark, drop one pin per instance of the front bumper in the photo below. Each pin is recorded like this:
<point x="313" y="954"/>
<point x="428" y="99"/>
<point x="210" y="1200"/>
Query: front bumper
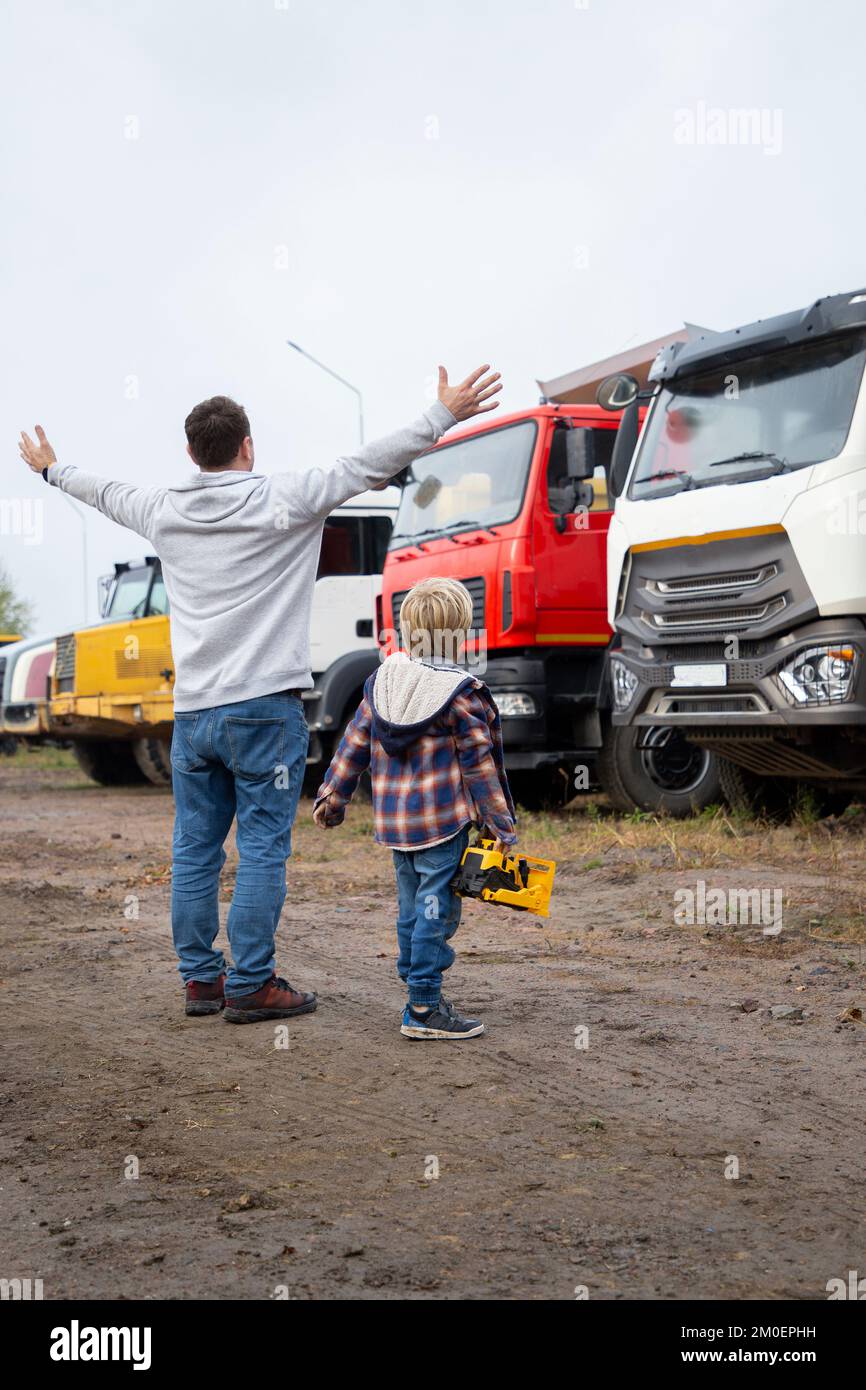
<point x="753" y="696"/>
<point x="564" y="688"/>
<point x="25" y="719"/>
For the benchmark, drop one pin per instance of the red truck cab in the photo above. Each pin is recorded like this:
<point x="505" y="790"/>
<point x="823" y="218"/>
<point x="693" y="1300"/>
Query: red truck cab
<point x="516" y="508"/>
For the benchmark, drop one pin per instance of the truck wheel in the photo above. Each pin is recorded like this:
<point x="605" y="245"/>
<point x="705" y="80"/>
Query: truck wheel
<point x="832" y="802"/>
<point x="153" y="758"/>
<point x="107" y="761"/>
<point x="777" y="798"/>
<point x="8" y="746"/>
<point x="753" y="795"/>
<point x="669" y="774"/>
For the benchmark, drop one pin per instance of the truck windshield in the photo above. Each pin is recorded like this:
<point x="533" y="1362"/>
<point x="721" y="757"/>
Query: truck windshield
<point x="129" y="596"/>
<point x="751" y="419"/>
<point x="474" y="483"/>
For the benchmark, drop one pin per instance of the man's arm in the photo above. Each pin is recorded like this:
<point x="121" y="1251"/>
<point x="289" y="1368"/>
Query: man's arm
<point x="315" y="493"/>
<point x="121" y="502"/>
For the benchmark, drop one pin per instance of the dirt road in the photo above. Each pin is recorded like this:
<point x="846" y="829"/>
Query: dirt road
<point x="306" y="1171"/>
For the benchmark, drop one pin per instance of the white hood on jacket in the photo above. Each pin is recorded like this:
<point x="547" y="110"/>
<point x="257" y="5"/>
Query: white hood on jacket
<point x="411" y="692"/>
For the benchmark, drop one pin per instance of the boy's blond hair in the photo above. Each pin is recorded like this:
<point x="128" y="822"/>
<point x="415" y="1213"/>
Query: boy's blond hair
<point x="435" y="617"/>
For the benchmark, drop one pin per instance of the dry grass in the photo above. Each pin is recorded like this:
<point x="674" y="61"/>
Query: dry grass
<point x="586" y="835"/>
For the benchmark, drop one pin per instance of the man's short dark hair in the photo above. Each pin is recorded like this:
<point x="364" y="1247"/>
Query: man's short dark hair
<point x="215" y="431"/>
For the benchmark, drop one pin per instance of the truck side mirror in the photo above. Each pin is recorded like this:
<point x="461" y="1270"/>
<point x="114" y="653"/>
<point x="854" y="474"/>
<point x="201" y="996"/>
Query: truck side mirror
<point x="618" y="391"/>
<point x="626" y="439"/>
<point x="103" y="591"/>
<point x="579" y="453"/>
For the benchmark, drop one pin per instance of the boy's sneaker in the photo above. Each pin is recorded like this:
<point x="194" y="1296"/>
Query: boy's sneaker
<point x="205" y="996"/>
<point x="442" y="1021"/>
<point x="276" y="999"/>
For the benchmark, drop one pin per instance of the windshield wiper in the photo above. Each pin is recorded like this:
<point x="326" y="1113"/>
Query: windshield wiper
<point x="667" y="475"/>
<point x="438" y="530"/>
<point x="412" y="535"/>
<point x="755" y="455"/>
<point x="470" y="524"/>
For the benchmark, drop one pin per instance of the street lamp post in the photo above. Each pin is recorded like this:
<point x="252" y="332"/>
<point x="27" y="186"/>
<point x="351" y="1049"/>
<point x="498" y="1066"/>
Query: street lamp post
<point x="83" y="520"/>
<point x="337" y="377"/>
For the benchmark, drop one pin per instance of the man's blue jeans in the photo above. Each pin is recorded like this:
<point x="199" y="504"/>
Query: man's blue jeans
<point x="428" y="915"/>
<point x="245" y="760"/>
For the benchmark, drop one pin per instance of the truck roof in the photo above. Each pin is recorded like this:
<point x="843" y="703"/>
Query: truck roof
<point x="580" y="386"/>
<point x="494" y="420"/>
<point x="825" y="317"/>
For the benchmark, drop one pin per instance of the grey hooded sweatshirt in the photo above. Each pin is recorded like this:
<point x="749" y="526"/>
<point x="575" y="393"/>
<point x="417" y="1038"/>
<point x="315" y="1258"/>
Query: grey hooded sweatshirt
<point x="239" y="555"/>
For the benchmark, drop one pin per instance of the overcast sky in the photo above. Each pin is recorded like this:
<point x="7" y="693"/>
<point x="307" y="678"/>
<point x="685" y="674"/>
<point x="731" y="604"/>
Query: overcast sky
<point x="190" y="182"/>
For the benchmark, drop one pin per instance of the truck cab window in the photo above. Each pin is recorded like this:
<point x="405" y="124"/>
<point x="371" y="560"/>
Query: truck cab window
<point x="341" y="547"/>
<point x="158" y="604"/>
<point x="475" y="482"/>
<point x="129" y="598"/>
<point x="563" y="492"/>
<point x="378" y="529"/>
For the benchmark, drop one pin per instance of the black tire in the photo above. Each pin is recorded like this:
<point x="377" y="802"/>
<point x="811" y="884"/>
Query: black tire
<point x="8" y="746"/>
<point x="670" y="775"/>
<point x="753" y="795"/>
<point x="108" y="761"/>
<point x="831" y="801"/>
<point x="153" y="759"/>
<point x="777" y="798"/>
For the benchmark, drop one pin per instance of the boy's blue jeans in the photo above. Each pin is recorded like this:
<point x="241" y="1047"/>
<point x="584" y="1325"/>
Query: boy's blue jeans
<point x="245" y="760"/>
<point x="428" y="915"/>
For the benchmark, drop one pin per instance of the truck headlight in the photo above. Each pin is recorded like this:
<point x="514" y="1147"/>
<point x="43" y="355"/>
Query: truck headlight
<point x="514" y="704"/>
<point x="624" y="682"/>
<point x="821" y="675"/>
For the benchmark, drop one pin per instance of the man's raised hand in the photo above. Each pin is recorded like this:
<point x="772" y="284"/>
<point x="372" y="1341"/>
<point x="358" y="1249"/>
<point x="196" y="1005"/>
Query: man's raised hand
<point x="36" y="456"/>
<point x="469" y="397"/>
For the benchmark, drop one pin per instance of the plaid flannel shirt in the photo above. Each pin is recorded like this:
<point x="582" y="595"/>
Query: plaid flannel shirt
<point x="451" y="776"/>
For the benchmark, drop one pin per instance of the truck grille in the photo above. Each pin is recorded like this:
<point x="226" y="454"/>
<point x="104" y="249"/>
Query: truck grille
<point x="749" y="703"/>
<point x="476" y="587"/>
<point x="64" y="664"/>
<point x="709" y="651"/>
<point x="147" y="665"/>
<point x="689" y="619"/>
<point x="690" y="593"/>
<point x="713" y="583"/>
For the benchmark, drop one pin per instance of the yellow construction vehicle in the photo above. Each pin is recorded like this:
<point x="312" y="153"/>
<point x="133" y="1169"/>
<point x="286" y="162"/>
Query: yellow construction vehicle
<point x="111" y="692"/>
<point x="518" y="881"/>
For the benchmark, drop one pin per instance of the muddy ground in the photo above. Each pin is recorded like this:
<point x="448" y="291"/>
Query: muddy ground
<point x="266" y="1172"/>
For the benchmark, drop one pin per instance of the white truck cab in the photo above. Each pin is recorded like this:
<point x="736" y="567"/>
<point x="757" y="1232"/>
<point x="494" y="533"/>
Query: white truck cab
<point x="343" y="648"/>
<point x="737" y="551"/>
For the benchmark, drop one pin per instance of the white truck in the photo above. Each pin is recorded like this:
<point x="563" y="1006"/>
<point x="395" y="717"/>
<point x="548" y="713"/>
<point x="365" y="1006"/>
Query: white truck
<point x="343" y="647"/>
<point x="737" y="552"/>
<point x="25" y="687"/>
<point x="112" y="697"/>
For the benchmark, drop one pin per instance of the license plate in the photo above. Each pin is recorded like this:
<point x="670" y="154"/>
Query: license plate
<point x="715" y="673"/>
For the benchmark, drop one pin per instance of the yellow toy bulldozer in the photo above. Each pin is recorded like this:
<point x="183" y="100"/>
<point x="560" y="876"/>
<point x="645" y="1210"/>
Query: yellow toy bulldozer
<point x="517" y="881"/>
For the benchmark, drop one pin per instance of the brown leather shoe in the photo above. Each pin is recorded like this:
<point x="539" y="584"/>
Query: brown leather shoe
<point x="276" y="999"/>
<point x="205" y="996"/>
